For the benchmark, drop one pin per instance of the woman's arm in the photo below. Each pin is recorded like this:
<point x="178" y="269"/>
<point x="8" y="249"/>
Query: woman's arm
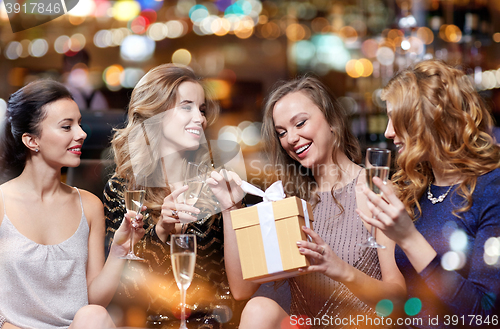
<point x="103" y="278"/>
<point x="471" y="295"/>
<point x="230" y="195"/>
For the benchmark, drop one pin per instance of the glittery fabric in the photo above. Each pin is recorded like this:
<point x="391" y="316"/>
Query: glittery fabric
<point x="318" y="296"/>
<point x="151" y="286"/>
<point x="473" y="288"/>
<point x="42" y="286"/>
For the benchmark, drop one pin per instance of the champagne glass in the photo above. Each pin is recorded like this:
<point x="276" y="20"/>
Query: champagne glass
<point x="134" y="199"/>
<point x="194" y="178"/>
<point x="378" y="164"/>
<point x="183" y="257"/>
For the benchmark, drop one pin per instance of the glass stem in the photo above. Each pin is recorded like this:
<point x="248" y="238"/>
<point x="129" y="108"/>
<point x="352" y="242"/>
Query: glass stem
<point x="372" y="233"/>
<point x="131" y="250"/>
<point x="183" y="309"/>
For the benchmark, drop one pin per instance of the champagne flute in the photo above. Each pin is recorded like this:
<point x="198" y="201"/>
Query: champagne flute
<point x="134" y="199"/>
<point x="378" y="164"/>
<point x="183" y="257"/>
<point x="194" y="178"/>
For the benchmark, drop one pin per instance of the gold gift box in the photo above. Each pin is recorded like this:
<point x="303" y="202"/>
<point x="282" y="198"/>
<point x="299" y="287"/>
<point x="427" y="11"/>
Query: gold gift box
<point x="288" y="220"/>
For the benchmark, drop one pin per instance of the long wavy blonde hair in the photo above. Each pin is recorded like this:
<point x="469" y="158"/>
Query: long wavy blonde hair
<point x="290" y="171"/>
<point x="444" y="124"/>
<point x="154" y="94"/>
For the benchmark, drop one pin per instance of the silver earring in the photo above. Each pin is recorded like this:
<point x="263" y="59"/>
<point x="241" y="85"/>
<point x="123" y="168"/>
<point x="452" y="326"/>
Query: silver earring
<point x="36" y="150"/>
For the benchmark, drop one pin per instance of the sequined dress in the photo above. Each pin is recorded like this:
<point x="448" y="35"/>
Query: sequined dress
<point x="149" y="287"/>
<point x="319" y="297"/>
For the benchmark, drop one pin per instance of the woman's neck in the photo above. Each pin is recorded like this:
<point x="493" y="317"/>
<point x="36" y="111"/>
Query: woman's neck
<point x="173" y="169"/>
<point x="39" y="178"/>
<point x="330" y="174"/>
<point x="444" y="179"/>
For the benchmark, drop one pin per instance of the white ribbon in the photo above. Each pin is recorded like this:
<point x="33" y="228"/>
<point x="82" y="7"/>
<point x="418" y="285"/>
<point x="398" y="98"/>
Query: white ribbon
<point x="275" y="192"/>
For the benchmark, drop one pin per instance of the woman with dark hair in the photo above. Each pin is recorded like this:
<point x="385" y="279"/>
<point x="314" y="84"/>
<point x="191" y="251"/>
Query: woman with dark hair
<point x="444" y="214"/>
<point x="52" y="235"/>
<point x="168" y="112"/>
<point x="314" y="154"/>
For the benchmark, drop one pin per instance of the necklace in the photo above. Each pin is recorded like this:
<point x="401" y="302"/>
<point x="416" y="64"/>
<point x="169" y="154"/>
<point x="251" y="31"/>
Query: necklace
<point x="431" y="197"/>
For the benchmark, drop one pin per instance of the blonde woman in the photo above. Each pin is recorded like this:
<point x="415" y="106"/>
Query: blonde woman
<point x="167" y="115"/>
<point x="448" y="182"/>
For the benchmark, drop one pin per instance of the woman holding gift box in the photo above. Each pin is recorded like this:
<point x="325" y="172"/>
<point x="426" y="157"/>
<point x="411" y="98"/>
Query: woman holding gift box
<point x="448" y="222"/>
<point x="314" y="154"/>
<point x="168" y="113"/>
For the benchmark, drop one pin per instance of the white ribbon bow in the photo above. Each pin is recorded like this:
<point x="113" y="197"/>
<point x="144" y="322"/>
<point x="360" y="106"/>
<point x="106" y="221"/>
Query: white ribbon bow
<point x="275" y="192"/>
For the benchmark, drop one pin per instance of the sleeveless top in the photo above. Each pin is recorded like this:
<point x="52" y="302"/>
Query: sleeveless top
<point x="42" y="286"/>
<point x="317" y="296"/>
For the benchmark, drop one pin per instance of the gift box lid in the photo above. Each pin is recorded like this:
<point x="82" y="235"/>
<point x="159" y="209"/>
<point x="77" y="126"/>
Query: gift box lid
<point x="282" y="209"/>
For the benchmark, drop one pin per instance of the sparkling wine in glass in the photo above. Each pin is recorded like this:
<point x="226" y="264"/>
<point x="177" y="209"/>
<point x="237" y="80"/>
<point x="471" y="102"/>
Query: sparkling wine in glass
<point x="134" y="199"/>
<point x="378" y="164"/>
<point x="195" y="177"/>
<point x="183" y="257"/>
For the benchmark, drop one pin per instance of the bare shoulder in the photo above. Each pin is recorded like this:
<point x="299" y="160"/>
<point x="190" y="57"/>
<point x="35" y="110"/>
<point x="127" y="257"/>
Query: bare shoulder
<point x="92" y="205"/>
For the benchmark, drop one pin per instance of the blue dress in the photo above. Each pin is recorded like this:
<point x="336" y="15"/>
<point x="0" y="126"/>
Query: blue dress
<point x="461" y="286"/>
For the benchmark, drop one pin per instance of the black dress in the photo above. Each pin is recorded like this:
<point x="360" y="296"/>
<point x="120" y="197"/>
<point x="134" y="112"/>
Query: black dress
<point x="149" y="288"/>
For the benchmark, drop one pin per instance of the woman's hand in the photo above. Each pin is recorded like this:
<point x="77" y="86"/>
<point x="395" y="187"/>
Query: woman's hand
<point x="173" y="212"/>
<point x="322" y="258"/>
<point x="131" y="224"/>
<point x="389" y="214"/>
<point x="225" y="185"/>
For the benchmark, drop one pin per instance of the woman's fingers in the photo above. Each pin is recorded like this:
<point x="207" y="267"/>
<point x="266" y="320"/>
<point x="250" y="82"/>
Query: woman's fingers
<point x="316" y="238"/>
<point x="175" y="194"/>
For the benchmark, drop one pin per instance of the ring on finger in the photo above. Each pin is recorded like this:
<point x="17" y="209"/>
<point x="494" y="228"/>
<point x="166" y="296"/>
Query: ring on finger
<point x="175" y="214"/>
<point x="323" y="251"/>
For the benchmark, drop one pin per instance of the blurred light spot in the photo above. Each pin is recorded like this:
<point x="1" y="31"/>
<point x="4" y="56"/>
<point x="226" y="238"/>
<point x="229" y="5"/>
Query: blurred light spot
<point x="130" y="77"/>
<point x="183" y="7"/>
<point x="385" y="56"/>
<point x="157" y="31"/>
<point x="348" y="33"/>
<point x="496" y="37"/>
<point x="489" y="80"/>
<point x="376" y="98"/>
<point x="303" y="51"/>
<point x="198" y="13"/>
<point x="458" y="241"/>
<point x="251" y="135"/>
<point x="77" y="42"/>
<point x="175" y="29"/>
<point x="413" y="306"/>
<point x="125" y="10"/>
<point x="367" y="67"/>
<point x="349" y="104"/>
<point x="319" y="24"/>
<point x="14" y="50"/>
<point x="137" y="48"/>
<point x="330" y="51"/>
<point x="491" y="259"/>
<point x="112" y="77"/>
<point x="26" y="45"/>
<point x="38" y="48"/>
<point x="384" y="308"/>
<point x="448" y="228"/>
<point x="425" y="34"/>
<point x="244" y="124"/>
<point x="118" y="35"/>
<point x="405" y="45"/>
<point x="295" y="32"/>
<point x="103" y="39"/>
<point x="492" y="247"/>
<point x="181" y="56"/>
<point x="139" y="25"/>
<point x="369" y="48"/>
<point x="61" y="45"/>
<point x="83" y="8"/>
<point x="453" y="260"/>
<point x="270" y="30"/>
<point x="220" y="26"/>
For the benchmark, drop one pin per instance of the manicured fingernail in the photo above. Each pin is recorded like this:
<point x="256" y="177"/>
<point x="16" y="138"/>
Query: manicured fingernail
<point x="298" y="243"/>
<point x="301" y="250"/>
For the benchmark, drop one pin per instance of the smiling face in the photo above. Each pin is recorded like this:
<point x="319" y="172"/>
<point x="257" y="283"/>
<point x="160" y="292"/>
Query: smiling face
<point x="61" y="138"/>
<point x="183" y="125"/>
<point x="303" y="130"/>
<point x="390" y="132"/>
